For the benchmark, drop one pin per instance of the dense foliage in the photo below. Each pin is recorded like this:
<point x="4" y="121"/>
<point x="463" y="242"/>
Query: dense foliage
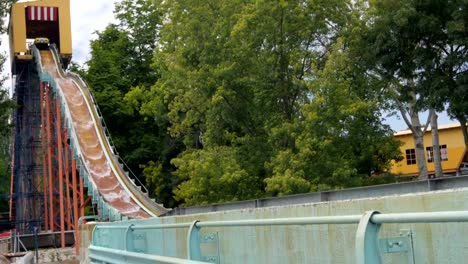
<point x="122" y="56"/>
<point x="418" y="50"/>
<point x="6" y="107"/>
<point x="216" y="101"/>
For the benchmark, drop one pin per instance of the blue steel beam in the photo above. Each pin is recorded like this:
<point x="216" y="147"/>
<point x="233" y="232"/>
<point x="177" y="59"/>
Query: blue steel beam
<point x="27" y="203"/>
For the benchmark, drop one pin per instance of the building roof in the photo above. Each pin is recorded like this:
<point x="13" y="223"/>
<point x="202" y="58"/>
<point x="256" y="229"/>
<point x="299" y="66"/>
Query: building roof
<point x="441" y="127"/>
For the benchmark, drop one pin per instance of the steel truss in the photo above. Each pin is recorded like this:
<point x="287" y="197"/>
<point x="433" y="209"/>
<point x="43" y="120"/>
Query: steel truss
<point x="47" y="193"/>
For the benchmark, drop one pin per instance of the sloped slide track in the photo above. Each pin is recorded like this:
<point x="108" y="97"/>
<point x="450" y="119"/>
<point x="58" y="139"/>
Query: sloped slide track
<point x="108" y="183"/>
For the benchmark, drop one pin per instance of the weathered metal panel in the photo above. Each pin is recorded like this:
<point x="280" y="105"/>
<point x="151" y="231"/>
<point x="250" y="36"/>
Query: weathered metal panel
<point x="352" y="193"/>
<point x="432" y="243"/>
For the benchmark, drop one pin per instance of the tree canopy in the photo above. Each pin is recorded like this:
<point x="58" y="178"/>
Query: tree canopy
<point x="6" y="108"/>
<point x="219" y="101"/>
<point x="418" y="51"/>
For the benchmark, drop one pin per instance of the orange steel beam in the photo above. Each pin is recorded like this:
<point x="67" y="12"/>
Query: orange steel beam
<point x="75" y="206"/>
<point x="49" y="157"/>
<point x="67" y="181"/>
<point x="58" y="124"/>
<point x="85" y="203"/>
<point x="44" y="151"/>
<point x="82" y="201"/>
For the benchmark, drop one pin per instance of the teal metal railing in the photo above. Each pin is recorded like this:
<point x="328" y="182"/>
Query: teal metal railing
<point x="107" y="255"/>
<point x="368" y="247"/>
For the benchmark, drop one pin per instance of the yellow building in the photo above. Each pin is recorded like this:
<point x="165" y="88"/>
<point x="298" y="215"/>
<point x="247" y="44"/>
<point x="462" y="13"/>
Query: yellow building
<point x="39" y="19"/>
<point x="452" y="148"/>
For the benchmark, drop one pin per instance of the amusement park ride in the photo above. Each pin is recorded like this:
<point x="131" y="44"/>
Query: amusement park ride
<point x="62" y="156"/>
<point x="63" y="161"/>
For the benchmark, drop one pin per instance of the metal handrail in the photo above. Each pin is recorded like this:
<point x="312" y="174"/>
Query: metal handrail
<point x="432" y="217"/>
<point x="137" y="257"/>
<point x="368" y="228"/>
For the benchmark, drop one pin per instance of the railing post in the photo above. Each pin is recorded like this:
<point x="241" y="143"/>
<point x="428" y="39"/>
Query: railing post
<point x="94" y="238"/>
<point x="127" y="239"/>
<point x="193" y="242"/>
<point x="367" y="240"/>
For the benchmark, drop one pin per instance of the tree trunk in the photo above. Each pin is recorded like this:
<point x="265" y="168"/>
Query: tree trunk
<point x="410" y="115"/>
<point x="418" y="136"/>
<point x="462" y="121"/>
<point x="435" y="145"/>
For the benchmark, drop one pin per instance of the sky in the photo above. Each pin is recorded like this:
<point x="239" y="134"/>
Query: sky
<point x="89" y="16"/>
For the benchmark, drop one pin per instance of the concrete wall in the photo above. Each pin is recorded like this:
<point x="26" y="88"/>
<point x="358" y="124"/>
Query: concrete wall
<point x="432" y="243"/>
<point x="85" y="233"/>
<point x="4" y="245"/>
<point x="57" y="255"/>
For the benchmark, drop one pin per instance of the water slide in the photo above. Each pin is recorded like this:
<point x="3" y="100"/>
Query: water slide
<point x="105" y="174"/>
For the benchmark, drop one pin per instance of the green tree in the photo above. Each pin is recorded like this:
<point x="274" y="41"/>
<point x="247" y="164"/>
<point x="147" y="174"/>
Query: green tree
<point x="140" y="20"/>
<point x="213" y="175"/>
<point x="452" y="50"/>
<point x="6" y="109"/>
<point x="339" y="140"/>
<point x="240" y="78"/>
<point x="418" y="51"/>
<point x="121" y="60"/>
<point x="201" y="93"/>
<point x="110" y="78"/>
<point x="4" y="9"/>
<point x="230" y="100"/>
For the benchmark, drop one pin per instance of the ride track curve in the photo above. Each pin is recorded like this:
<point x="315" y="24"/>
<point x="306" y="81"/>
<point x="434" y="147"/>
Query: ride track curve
<point x="92" y="146"/>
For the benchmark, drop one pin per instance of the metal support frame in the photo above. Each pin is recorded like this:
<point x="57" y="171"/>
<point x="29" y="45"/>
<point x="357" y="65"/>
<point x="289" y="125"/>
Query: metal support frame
<point x="76" y="212"/>
<point x="400" y="244"/>
<point x="47" y="192"/>
<point x="48" y="153"/>
<point x="48" y="172"/>
<point x="60" y="171"/>
<point x="27" y="198"/>
<point x="66" y="175"/>
<point x="44" y="156"/>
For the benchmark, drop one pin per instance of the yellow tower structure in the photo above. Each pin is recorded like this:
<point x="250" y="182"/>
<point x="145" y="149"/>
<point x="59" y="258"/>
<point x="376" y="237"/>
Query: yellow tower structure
<point x="40" y="19"/>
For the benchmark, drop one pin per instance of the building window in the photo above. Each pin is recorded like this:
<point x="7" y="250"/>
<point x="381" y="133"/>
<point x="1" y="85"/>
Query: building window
<point x="443" y="153"/>
<point x="410" y="156"/>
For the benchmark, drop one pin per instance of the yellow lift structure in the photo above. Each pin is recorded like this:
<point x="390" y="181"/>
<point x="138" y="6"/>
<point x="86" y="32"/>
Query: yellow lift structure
<point x="40" y="19"/>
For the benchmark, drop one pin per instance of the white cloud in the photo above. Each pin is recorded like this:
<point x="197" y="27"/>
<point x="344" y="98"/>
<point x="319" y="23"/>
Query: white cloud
<point x="87" y="17"/>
